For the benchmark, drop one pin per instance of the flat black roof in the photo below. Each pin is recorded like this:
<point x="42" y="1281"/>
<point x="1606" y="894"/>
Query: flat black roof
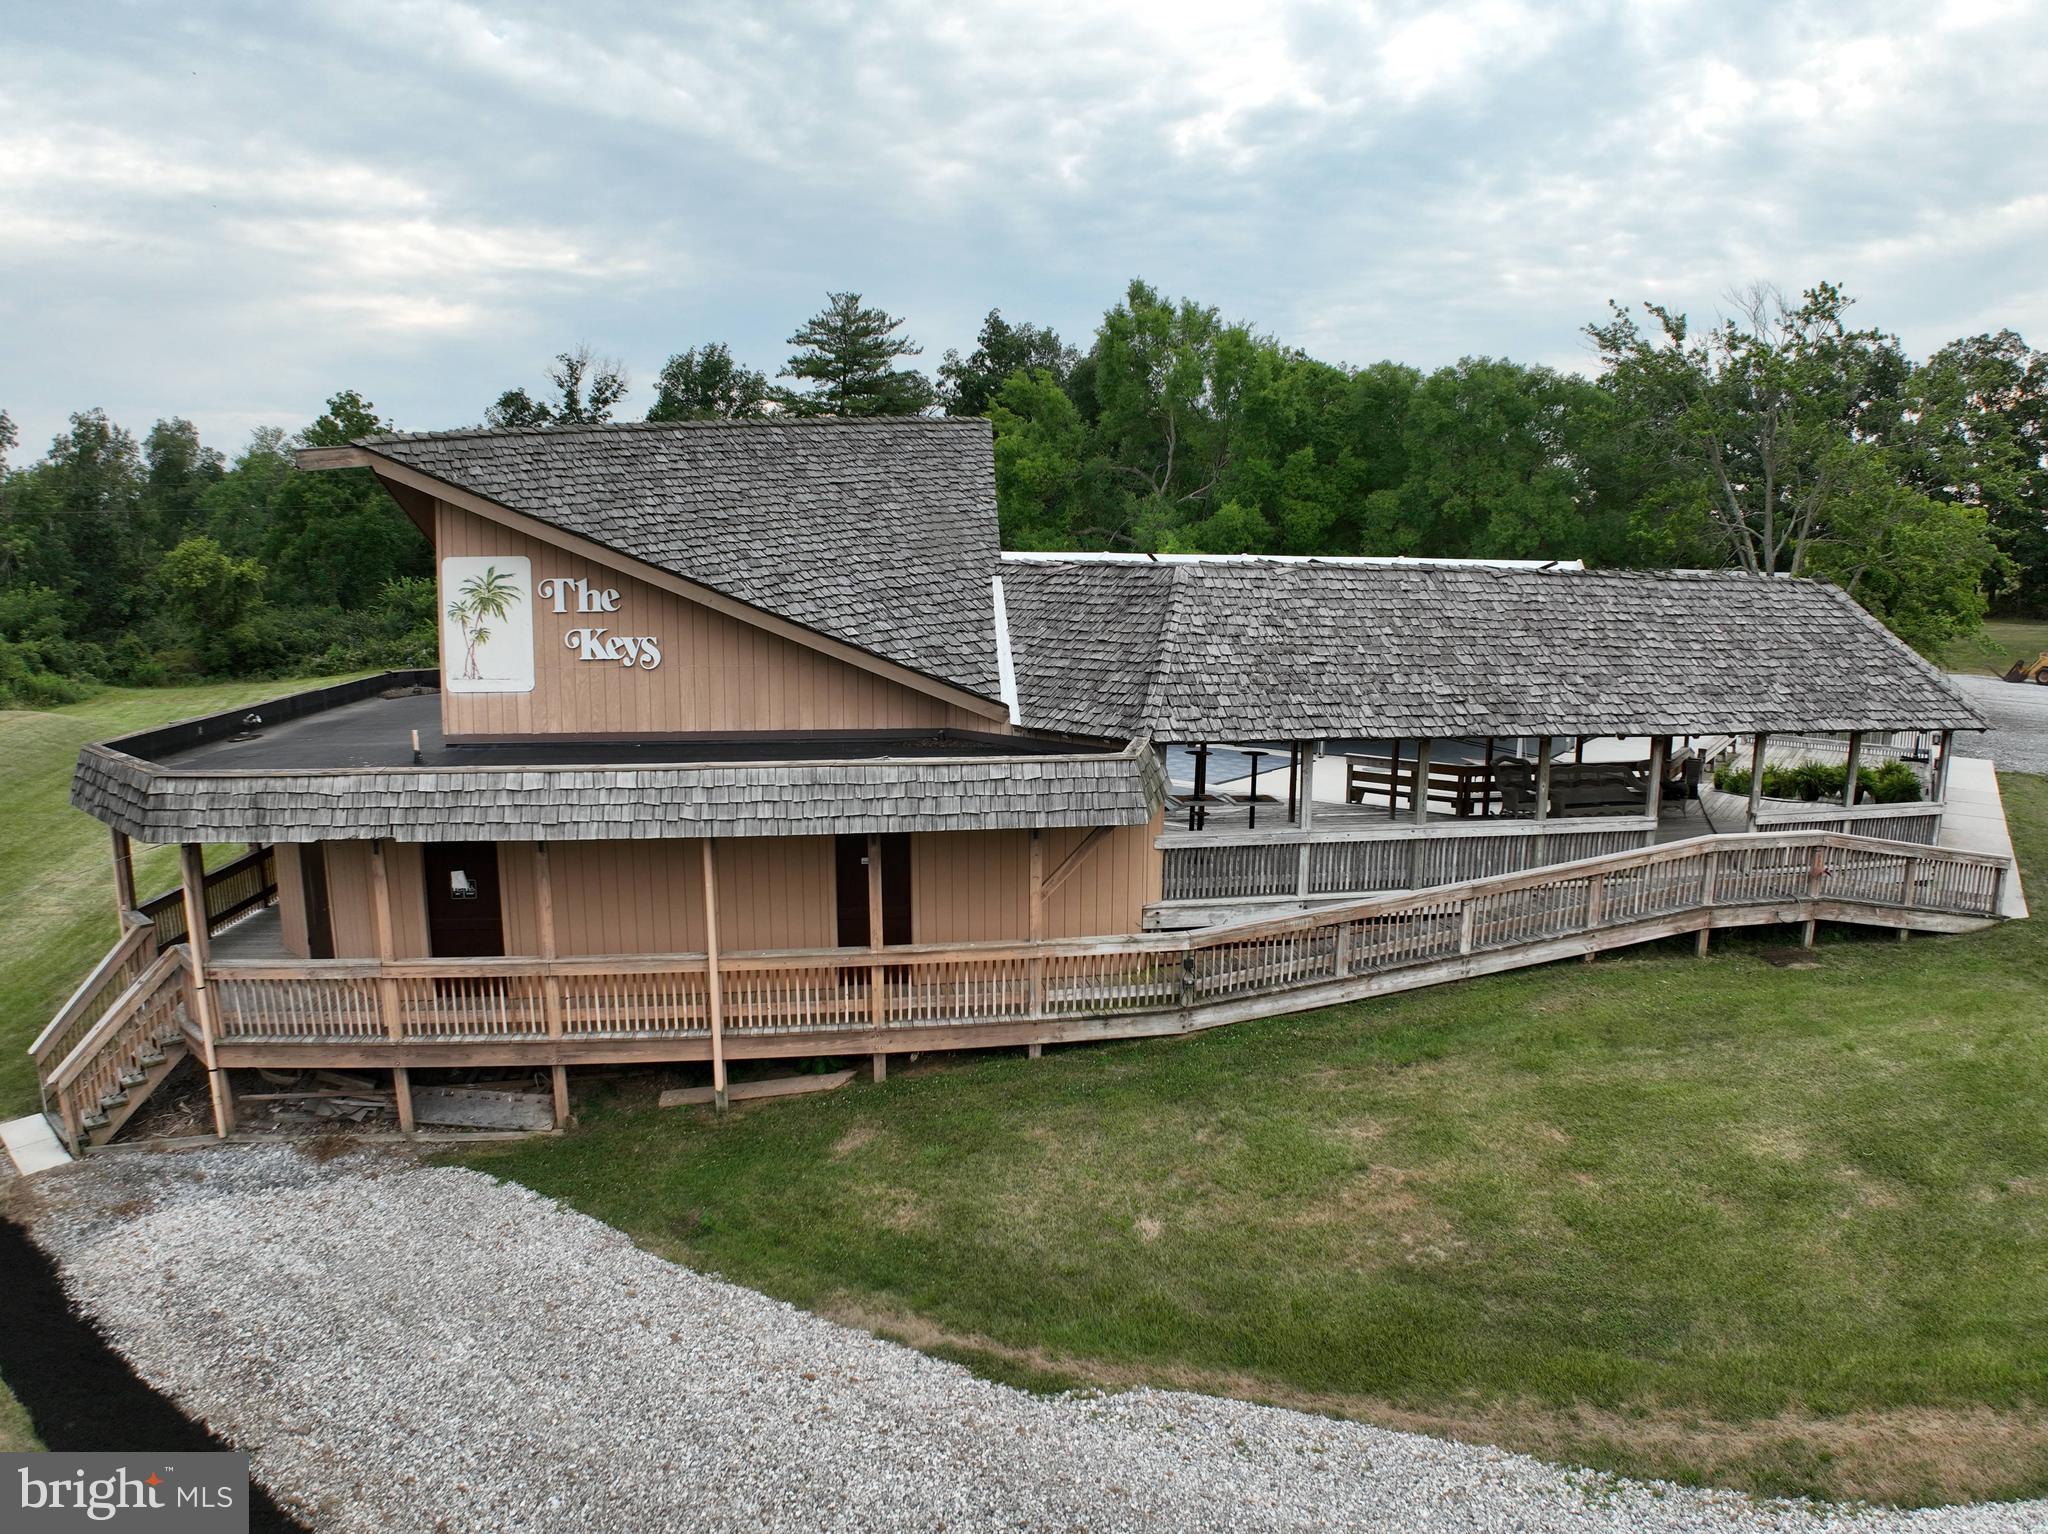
<point x="370" y="724"/>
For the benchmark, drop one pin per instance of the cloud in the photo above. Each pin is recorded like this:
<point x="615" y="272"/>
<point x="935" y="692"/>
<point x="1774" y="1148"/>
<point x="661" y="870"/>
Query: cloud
<point x="230" y="213"/>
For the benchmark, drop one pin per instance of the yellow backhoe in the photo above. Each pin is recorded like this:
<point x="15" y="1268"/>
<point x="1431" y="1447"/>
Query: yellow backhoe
<point x="2035" y="670"/>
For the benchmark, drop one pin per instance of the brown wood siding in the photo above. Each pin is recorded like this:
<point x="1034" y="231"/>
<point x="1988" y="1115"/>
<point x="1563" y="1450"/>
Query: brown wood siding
<point x="628" y="897"/>
<point x="970" y="886"/>
<point x="974" y="886"/>
<point x="291" y="898"/>
<point x="716" y="673"/>
<point x="349" y="900"/>
<point x="1108" y="892"/>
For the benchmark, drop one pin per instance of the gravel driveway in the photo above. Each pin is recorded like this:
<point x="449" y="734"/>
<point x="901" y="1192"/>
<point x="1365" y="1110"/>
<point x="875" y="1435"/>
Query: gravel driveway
<point x="2018" y="712"/>
<point x="408" y="1348"/>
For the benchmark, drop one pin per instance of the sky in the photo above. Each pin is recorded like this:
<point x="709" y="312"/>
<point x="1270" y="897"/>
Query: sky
<point x="228" y="212"/>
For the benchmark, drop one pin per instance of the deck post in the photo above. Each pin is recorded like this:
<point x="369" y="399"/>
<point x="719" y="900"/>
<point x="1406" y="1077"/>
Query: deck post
<point x="1308" y="817"/>
<point x="1854" y="766"/>
<point x="192" y="872"/>
<point x="1756" y="777"/>
<point x="1660" y="753"/>
<point x="1543" y="777"/>
<point x="1418" y="810"/>
<point x="877" y="981"/>
<point x="1939" y="794"/>
<point x="1816" y="873"/>
<point x="551" y="983"/>
<point x="714" y="990"/>
<point x="1034" y="969"/>
<point x="1198" y="815"/>
<point x="124" y="873"/>
<point x="1293" y="780"/>
<point x="387" y="988"/>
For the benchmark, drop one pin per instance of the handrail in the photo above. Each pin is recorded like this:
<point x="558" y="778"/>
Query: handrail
<point x="83" y="1053"/>
<point x="167" y="910"/>
<point x="1405" y="830"/>
<point x="1164" y="943"/>
<point x="137" y="931"/>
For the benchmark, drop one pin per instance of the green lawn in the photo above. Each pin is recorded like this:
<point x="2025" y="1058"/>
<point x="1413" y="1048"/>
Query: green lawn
<point x="2003" y="641"/>
<point x="56" y="875"/>
<point x="1778" y="1228"/>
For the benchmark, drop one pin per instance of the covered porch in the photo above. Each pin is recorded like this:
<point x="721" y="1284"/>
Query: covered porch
<point x="1258" y="823"/>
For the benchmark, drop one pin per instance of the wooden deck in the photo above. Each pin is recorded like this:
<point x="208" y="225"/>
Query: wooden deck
<point x="246" y="1012"/>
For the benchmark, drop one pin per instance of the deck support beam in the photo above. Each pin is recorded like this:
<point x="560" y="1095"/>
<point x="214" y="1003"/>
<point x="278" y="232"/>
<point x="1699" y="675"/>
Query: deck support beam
<point x="124" y="873"/>
<point x="1034" y="969"/>
<point x="388" y="1004"/>
<point x="1418" y="809"/>
<point x="1756" y="777"/>
<point x="1308" y="817"/>
<point x="1939" y="788"/>
<point x="714" y="991"/>
<point x="551" y="983"/>
<point x="192" y="873"/>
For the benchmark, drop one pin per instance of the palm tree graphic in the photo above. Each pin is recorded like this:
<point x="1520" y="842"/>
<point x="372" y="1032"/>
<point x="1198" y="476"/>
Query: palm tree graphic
<point x="478" y="600"/>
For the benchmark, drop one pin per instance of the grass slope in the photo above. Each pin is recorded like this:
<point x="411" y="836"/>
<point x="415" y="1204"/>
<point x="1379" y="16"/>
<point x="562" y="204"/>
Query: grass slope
<point x="2002" y="641"/>
<point x="1784" y="1229"/>
<point x="56" y="878"/>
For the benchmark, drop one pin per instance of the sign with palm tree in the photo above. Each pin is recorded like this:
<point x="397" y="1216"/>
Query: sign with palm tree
<point x="487" y="628"/>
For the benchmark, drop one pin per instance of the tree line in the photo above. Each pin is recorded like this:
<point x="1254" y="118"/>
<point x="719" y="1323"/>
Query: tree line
<point x="1784" y="438"/>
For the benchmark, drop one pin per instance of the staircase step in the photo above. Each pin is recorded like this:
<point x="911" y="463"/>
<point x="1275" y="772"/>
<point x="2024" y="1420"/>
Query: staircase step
<point x="133" y="1079"/>
<point x="113" y="1099"/>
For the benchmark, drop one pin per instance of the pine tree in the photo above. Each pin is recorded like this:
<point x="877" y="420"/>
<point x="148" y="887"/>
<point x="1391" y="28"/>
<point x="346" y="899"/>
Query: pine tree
<point x="846" y="353"/>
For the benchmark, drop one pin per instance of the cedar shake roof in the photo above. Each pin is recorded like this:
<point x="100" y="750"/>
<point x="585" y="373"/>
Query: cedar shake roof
<point x="781" y="798"/>
<point x="878" y="533"/>
<point x="1297" y="650"/>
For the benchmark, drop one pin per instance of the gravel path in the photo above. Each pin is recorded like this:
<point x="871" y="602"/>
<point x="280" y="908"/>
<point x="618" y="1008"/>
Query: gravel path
<point x="2018" y="713"/>
<point x="406" y="1347"/>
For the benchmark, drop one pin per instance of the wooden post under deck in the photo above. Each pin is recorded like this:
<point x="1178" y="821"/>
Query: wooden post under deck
<point x="1756" y="777"/>
<point x="551" y="984"/>
<point x="124" y="872"/>
<point x="192" y="870"/>
<point x="387" y="988"/>
<point x="714" y="988"/>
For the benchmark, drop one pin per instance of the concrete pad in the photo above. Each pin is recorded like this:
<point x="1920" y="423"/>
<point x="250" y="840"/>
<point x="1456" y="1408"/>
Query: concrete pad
<point x="33" y="1144"/>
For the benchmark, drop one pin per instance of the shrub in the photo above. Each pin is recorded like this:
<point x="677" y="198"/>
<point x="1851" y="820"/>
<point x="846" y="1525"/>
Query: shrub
<point x="1893" y="783"/>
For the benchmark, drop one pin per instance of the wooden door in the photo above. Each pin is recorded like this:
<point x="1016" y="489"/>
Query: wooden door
<point x="851" y="882"/>
<point x="464" y="916"/>
<point x="313" y="887"/>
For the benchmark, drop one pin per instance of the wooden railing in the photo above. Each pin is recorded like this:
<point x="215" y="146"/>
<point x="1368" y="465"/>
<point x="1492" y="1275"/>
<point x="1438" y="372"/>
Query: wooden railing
<point x="121" y="1047"/>
<point x="1305" y="864"/>
<point x="1910" y="822"/>
<point x="232" y="890"/>
<point x="121" y="968"/>
<point x="1593" y="903"/>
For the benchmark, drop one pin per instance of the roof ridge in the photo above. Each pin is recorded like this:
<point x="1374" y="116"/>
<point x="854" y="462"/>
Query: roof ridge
<point x="622" y="428"/>
<point x="1155" y="701"/>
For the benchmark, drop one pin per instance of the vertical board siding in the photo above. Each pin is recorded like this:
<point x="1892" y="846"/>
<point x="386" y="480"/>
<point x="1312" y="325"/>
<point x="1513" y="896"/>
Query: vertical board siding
<point x="716" y="673"/>
<point x="349" y="900"/>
